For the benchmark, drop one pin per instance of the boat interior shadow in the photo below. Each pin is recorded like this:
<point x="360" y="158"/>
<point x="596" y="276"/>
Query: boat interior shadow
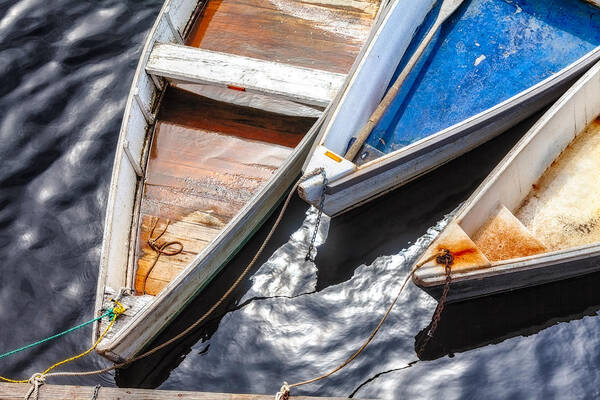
<point x="492" y="319"/>
<point x="381" y="227"/>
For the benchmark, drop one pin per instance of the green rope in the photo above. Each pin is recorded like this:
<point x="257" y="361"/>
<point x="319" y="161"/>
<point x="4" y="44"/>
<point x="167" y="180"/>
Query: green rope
<point x="109" y="313"/>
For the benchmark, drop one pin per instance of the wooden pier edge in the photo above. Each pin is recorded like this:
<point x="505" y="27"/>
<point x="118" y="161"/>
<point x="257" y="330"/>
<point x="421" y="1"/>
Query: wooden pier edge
<point x="17" y="391"/>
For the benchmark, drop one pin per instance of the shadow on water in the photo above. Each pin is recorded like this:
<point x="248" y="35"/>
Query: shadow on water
<point x="382" y="227"/>
<point x="476" y="323"/>
<point x="154" y="370"/>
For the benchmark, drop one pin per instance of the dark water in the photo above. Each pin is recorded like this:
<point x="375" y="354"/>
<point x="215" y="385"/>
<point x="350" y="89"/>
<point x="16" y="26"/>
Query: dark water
<point x="65" y="70"/>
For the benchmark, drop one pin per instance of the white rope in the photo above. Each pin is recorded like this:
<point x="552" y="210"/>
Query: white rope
<point x="284" y="392"/>
<point x="36" y="381"/>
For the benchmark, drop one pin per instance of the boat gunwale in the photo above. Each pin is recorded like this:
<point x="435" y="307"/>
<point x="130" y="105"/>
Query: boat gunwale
<point x="422" y="278"/>
<point x="116" y="168"/>
<point x="463" y="128"/>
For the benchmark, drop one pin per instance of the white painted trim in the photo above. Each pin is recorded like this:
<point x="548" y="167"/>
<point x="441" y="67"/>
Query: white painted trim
<point x="194" y="65"/>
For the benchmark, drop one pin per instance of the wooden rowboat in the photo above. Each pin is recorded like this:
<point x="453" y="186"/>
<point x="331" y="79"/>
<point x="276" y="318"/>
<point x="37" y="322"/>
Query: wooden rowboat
<point x="226" y="101"/>
<point x="536" y="218"/>
<point x="492" y="64"/>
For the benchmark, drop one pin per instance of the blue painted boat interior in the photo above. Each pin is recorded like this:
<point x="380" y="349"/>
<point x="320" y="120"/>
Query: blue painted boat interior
<point x="489" y="51"/>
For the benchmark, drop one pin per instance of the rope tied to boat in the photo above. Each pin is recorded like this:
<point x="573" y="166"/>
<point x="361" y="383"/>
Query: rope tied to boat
<point x="193" y="326"/>
<point x="39" y="378"/>
<point x="445" y="256"/>
<point x="284" y="392"/>
<point x="160" y="249"/>
<point x="35" y="381"/>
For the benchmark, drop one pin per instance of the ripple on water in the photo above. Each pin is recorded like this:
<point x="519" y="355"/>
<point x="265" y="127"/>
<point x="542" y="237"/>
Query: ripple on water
<point x="65" y="68"/>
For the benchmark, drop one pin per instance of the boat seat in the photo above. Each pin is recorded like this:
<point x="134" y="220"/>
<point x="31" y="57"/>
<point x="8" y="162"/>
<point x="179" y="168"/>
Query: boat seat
<point x="186" y="64"/>
<point x="504" y="237"/>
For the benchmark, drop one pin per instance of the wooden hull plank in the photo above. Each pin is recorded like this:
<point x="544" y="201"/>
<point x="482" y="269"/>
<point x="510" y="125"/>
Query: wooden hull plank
<point x="192" y="65"/>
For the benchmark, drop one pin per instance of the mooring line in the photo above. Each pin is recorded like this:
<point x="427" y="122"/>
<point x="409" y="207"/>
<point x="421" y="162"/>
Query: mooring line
<point x="443" y="256"/>
<point x="38" y="379"/>
<point x="55" y="336"/>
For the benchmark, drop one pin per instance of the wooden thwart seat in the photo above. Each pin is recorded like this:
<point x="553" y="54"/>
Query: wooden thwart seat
<point x="194" y="65"/>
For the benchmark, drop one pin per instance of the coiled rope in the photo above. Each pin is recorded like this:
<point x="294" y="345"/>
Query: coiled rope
<point x="38" y="379"/>
<point x="160" y="249"/>
<point x="443" y="256"/>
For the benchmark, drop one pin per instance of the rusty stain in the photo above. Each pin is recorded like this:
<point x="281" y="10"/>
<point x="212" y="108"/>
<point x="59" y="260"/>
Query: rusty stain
<point x="503" y="237"/>
<point x="465" y="255"/>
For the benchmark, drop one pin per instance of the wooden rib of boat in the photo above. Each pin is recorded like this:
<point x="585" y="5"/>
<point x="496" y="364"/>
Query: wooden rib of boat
<point x="226" y="101"/>
<point x="492" y="64"/>
<point x="536" y="217"/>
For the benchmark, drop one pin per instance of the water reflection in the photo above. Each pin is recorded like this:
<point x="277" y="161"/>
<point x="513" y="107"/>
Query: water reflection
<point x="62" y="97"/>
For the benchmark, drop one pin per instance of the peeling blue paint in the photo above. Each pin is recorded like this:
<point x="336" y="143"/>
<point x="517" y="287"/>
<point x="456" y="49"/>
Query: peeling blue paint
<point x="489" y="51"/>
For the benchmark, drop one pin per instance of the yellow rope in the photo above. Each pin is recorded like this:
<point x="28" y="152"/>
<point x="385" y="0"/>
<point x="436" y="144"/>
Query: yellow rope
<point x="117" y="310"/>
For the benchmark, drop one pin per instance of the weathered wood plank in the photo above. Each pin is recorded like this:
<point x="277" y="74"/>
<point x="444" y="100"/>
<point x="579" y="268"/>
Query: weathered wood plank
<point x="16" y="391"/>
<point x="316" y="34"/>
<point x="184" y="108"/>
<point x="189" y="64"/>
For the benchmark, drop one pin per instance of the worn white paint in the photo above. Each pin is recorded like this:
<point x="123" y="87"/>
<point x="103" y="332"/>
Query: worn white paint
<point x="116" y="261"/>
<point x="335" y="168"/>
<point x="479" y="59"/>
<point x="512" y="180"/>
<point x="193" y="65"/>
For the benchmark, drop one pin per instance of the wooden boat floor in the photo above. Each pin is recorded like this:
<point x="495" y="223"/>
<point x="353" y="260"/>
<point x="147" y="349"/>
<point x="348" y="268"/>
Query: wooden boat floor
<point x="207" y="160"/>
<point x="563" y="209"/>
<point x="319" y="34"/>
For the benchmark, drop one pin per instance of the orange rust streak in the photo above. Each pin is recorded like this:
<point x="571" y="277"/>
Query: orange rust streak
<point x="465" y="255"/>
<point x="503" y="237"/>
